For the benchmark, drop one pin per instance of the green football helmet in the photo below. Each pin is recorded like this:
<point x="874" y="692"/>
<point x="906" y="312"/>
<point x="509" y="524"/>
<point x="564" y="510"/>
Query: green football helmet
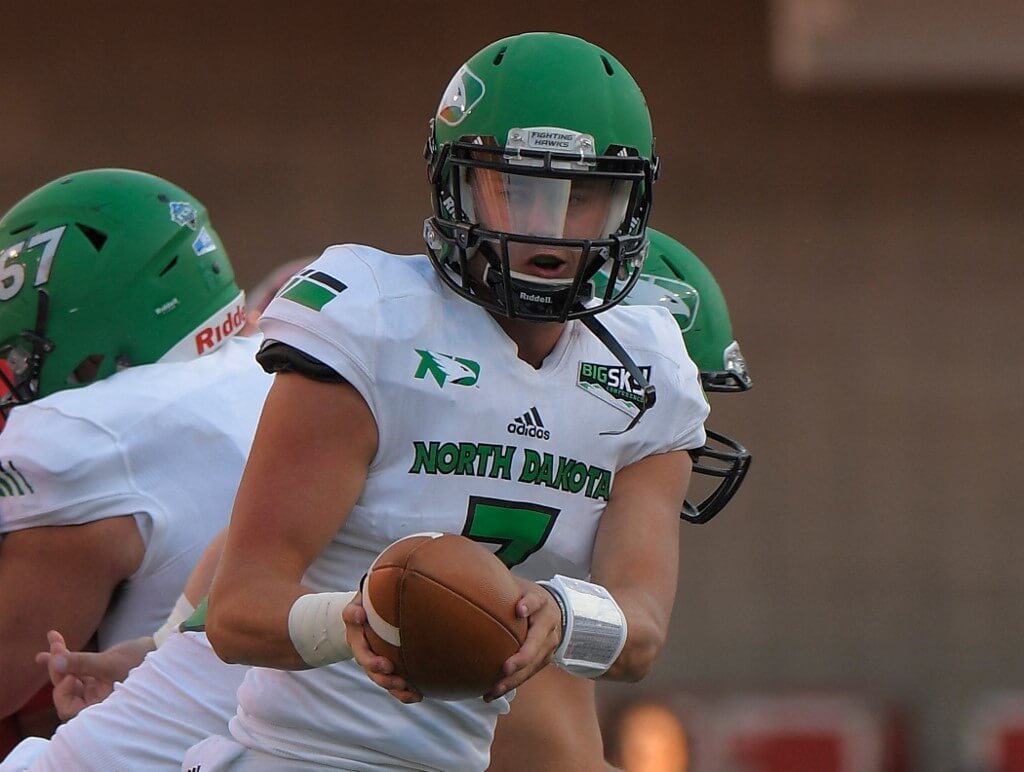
<point x="541" y="143"/>
<point x="676" y="279"/>
<point x="106" y="269"/>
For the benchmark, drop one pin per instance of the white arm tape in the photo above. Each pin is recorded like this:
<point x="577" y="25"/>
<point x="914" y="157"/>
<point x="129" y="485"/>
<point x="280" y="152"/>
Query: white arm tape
<point x="182" y="610"/>
<point x="595" y="627"/>
<point x="317" y="629"/>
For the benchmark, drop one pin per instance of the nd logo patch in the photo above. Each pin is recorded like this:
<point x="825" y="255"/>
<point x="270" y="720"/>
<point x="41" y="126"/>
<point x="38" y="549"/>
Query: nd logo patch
<point x="461" y="96"/>
<point x="444" y="369"/>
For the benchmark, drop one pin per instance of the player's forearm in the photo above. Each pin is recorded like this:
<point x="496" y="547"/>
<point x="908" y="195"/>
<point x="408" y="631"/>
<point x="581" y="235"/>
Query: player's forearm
<point x="247" y="622"/>
<point x="198" y="585"/>
<point x="647" y="622"/>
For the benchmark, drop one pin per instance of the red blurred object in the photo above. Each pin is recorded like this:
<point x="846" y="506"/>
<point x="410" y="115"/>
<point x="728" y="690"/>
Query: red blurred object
<point x="9" y="735"/>
<point x="835" y="732"/>
<point x="994" y="733"/>
<point x="790" y="752"/>
<point x="775" y="732"/>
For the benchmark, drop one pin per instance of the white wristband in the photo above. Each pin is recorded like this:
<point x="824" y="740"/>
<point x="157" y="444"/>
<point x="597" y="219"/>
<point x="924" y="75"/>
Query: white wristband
<point x="182" y="610"/>
<point x="595" y="627"/>
<point x="317" y="629"/>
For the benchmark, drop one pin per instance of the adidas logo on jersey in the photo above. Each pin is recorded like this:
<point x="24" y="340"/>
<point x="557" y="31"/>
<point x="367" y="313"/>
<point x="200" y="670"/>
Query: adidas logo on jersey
<point x="529" y="424"/>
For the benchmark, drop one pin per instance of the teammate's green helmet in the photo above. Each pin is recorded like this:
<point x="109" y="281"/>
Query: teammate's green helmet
<point x="677" y="279"/>
<point x="541" y="142"/>
<point x="106" y="269"/>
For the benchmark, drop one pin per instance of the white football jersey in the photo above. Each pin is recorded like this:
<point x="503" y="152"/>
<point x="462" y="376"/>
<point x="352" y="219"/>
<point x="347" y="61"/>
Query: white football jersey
<point x="163" y="442"/>
<point x="472" y="440"/>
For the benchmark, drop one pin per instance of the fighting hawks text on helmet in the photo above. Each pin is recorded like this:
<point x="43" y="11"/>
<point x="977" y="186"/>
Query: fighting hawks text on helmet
<point x="106" y="269"/>
<point x="550" y="124"/>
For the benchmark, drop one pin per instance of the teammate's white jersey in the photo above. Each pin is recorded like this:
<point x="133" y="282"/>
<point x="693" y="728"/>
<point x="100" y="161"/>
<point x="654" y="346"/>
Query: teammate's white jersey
<point x="472" y="440"/>
<point x="163" y="442"/>
<point x="179" y="695"/>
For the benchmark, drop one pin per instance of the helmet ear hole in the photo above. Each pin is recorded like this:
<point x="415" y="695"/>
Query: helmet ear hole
<point x="86" y="371"/>
<point x="96" y="237"/>
<point x="169" y="266"/>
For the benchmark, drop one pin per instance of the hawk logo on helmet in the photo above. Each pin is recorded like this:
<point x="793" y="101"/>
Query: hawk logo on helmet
<point x="463" y="93"/>
<point x="184" y="214"/>
<point x="681" y="299"/>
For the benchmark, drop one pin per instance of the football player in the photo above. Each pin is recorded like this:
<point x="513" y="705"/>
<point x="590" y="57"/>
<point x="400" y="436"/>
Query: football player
<point x="186" y="674"/>
<point x="398" y="380"/>
<point x="553" y="707"/>
<point x="553" y="710"/>
<point x="123" y="389"/>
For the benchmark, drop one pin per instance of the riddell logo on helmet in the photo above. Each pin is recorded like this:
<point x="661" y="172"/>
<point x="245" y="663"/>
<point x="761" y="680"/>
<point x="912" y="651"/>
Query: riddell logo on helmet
<point x="212" y="336"/>
<point x="534" y="298"/>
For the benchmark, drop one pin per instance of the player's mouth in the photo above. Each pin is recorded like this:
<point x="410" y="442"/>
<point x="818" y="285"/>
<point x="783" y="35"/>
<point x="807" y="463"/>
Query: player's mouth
<point x="548" y="266"/>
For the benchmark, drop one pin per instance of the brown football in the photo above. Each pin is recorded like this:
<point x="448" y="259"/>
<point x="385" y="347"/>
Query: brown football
<point x="442" y="608"/>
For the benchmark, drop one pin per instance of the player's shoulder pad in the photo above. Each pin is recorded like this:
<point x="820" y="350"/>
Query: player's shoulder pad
<point x="647" y="331"/>
<point x="347" y="304"/>
<point x="54" y="467"/>
<point x="651" y="336"/>
<point x="356" y="274"/>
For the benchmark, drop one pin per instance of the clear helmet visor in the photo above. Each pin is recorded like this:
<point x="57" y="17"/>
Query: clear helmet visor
<point x="583" y="208"/>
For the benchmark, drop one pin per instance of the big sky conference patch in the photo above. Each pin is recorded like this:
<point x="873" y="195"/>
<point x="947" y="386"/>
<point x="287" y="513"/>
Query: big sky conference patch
<point x="613" y="385"/>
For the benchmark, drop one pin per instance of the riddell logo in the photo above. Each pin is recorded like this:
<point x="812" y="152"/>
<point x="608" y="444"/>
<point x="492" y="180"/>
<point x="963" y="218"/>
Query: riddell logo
<point x="534" y="298"/>
<point x="210" y="337"/>
<point x="529" y="424"/>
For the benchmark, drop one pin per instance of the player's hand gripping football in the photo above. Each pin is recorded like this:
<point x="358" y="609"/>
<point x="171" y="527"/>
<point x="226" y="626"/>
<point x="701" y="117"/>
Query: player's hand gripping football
<point x="379" y="669"/>
<point x="544" y="634"/>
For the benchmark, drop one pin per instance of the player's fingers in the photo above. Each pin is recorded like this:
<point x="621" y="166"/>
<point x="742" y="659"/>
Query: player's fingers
<point x="406" y="696"/>
<point x="42" y="658"/>
<point x="542" y="639"/>
<point x="533" y="599"/>
<point x="377" y="668"/>
<point x="88" y="664"/>
<point x="56" y="642"/>
<point x="354" y="613"/>
<point x="68" y="697"/>
<point x="518" y="672"/>
<point x="362" y="652"/>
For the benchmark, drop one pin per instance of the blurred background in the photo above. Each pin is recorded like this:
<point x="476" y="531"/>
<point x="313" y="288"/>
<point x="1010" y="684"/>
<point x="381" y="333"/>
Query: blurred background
<point x="853" y="173"/>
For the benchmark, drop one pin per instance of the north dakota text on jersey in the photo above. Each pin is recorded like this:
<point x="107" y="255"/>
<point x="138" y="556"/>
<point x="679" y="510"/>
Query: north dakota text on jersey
<point x="486" y="459"/>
